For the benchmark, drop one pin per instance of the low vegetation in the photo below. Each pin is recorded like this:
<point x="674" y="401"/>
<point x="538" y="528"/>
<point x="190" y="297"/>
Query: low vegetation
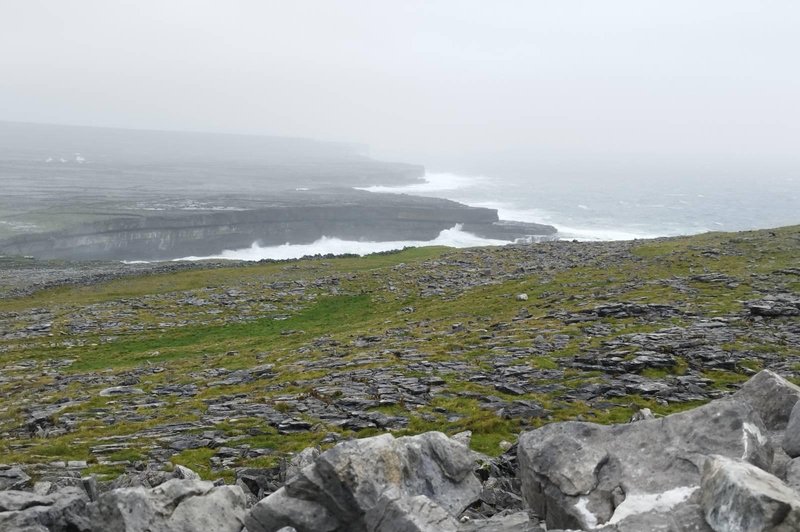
<point x="422" y="339"/>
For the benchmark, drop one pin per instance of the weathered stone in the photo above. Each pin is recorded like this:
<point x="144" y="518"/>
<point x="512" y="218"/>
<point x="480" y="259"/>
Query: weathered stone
<point x="176" y="505"/>
<point x="511" y="389"/>
<point x="522" y="409"/>
<point x="464" y="437"/>
<point x="792" y="474"/>
<point x="394" y="512"/>
<point x="583" y="475"/>
<point x="151" y="477"/>
<point x="305" y="515"/>
<point x="348" y="481"/>
<point x="63" y="511"/>
<point x="772" y="396"/>
<point x="740" y="496"/>
<point x="775" y="305"/>
<point x="184" y="473"/>
<point x="302" y="459"/>
<point x="120" y="390"/>
<point x="791" y="438"/>
<point x="510" y="522"/>
<point x="13" y="478"/>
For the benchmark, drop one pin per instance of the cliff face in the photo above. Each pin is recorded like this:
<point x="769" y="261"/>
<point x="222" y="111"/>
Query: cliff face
<point x="295" y="218"/>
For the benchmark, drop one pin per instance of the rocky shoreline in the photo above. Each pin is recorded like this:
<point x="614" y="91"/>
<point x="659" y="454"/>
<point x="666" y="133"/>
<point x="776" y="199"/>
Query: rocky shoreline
<point x="299" y="217"/>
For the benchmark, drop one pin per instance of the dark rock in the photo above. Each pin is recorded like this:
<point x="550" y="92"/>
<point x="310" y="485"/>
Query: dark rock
<point x="261" y="481"/>
<point x="523" y="409"/>
<point x="293" y="425"/>
<point x="774" y="306"/>
<point x="510" y="389"/>
<point x="13" y="478"/>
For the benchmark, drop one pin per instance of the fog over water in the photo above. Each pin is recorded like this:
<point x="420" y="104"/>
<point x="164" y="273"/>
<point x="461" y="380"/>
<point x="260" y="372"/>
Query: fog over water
<point x="608" y="209"/>
<point x="614" y="119"/>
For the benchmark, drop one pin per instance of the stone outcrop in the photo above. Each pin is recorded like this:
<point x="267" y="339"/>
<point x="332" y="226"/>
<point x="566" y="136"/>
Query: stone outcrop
<point x="366" y="484"/>
<point x="740" y="496"/>
<point x="718" y="467"/>
<point x="176" y="505"/>
<point x="583" y="475"/>
<point x="64" y="511"/>
<point x="296" y="217"/>
<point x="772" y="396"/>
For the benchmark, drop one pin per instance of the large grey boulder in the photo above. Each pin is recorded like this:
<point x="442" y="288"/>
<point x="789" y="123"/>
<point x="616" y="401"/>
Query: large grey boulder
<point x="174" y="506"/>
<point x="584" y="476"/>
<point x="371" y="484"/>
<point x="63" y="511"/>
<point x="772" y="396"/>
<point x="737" y="496"/>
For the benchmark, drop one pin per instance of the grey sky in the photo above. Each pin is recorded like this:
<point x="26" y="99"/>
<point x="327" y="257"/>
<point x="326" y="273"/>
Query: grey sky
<point x="436" y="82"/>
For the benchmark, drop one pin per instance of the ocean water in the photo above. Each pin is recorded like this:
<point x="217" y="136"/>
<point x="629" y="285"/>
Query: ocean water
<point x="587" y="211"/>
<point x="601" y="210"/>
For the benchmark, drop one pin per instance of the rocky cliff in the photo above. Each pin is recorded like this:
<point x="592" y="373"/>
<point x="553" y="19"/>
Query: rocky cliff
<point x="297" y="217"/>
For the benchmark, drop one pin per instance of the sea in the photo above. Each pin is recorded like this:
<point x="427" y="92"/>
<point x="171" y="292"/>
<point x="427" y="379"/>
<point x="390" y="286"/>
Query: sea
<point x="598" y="210"/>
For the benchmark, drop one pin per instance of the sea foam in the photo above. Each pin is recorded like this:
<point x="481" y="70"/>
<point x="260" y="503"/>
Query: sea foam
<point x="454" y="237"/>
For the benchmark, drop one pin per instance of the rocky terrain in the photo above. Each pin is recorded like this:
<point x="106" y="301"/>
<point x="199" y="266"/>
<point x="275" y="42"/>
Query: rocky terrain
<point x="242" y="374"/>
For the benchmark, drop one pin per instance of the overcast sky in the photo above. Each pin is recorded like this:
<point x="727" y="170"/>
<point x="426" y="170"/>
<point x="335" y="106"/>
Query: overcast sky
<point x="435" y="82"/>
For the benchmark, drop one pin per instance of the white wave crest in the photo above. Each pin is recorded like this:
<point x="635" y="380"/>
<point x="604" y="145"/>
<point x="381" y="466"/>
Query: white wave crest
<point x="454" y="237"/>
<point x="433" y="182"/>
<point x="600" y="234"/>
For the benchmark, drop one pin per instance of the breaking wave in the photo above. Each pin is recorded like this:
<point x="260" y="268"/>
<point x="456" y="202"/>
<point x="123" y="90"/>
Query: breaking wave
<point x="454" y="237"/>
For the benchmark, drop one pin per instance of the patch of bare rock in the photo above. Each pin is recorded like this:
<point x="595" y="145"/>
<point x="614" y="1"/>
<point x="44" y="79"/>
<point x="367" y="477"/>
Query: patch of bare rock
<point x="730" y="465"/>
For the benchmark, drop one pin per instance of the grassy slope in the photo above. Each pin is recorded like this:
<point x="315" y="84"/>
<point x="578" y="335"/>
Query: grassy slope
<point x="369" y="299"/>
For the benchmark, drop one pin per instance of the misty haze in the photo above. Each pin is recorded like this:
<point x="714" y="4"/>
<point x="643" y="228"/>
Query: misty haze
<point x="630" y="121"/>
<point x="425" y="266"/>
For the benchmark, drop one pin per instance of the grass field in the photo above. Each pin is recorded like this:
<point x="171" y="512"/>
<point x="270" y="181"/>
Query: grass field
<point x="418" y="314"/>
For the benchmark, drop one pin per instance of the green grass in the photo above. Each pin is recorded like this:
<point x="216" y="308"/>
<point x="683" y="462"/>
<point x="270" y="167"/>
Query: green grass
<point x="658" y="272"/>
<point x="328" y="315"/>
